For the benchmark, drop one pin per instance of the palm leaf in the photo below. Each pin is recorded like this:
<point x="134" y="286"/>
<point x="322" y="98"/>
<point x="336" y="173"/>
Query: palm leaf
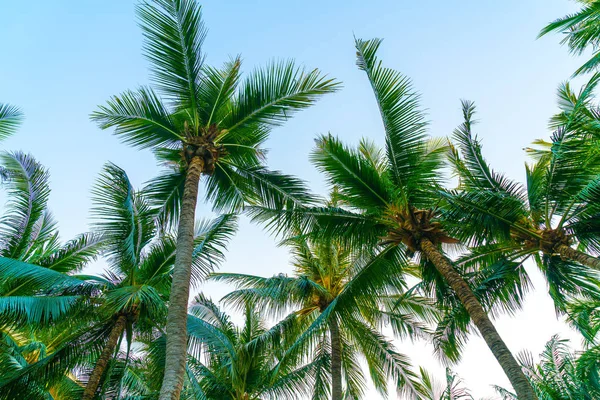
<point x="173" y="36"/>
<point x="10" y="118"/>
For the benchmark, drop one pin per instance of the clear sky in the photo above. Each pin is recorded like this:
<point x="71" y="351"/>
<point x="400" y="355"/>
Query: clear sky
<point x="62" y="58"/>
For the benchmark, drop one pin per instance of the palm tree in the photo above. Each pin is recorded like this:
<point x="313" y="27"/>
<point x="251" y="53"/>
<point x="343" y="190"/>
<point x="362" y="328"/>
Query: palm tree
<point x="225" y="361"/>
<point x="208" y="123"/>
<point x="10" y="119"/>
<point x="580" y="31"/>
<point x="135" y="292"/>
<point x="39" y="288"/>
<point x="451" y="389"/>
<point x="553" y="219"/>
<point x="246" y="362"/>
<point x="561" y="374"/>
<point x="336" y="298"/>
<point x="393" y="197"/>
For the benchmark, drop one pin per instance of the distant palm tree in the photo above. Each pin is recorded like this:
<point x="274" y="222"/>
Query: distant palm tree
<point x="246" y="362"/>
<point x="451" y="389"/>
<point x="393" y="197"/>
<point x="581" y="31"/>
<point x="211" y="123"/>
<point x="10" y="119"/>
<point x="135" y="292"/>
<point x="336" y="298"/>
<point x="554" y="219"/>
<point x="226" y="361"/>
<point x="561" y="374"/>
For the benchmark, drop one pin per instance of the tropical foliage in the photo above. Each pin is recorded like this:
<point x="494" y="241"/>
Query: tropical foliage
<point x="398" y="253"/>
<point x="203" y="121"/>
<point x="339" y="301"/>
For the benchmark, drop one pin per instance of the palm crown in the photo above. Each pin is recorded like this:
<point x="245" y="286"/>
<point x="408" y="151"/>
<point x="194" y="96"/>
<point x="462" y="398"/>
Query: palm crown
<point x="339" y="299"/>
<point x="207" y="122"/>
<point x="211" y="113"/>
<point x="558" y="207"/>
<point x="135" y="291"/>
<point x="391" y="197"/>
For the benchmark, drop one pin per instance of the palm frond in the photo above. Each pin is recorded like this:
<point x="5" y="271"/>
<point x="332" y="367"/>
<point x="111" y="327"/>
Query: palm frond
<point x="356" y="179"/>
<point x="28" y="191"/>
<point x="403" y="120"/>
<point x="122" y="217"/>
<point x="10" y="118"/>
<point x="173" y="37"/>
<point x="139" y="118"/>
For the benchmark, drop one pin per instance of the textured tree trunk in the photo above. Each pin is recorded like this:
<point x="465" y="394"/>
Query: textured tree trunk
<point x="336" y="360"/>
<point x="180" y="288"/>
<point x="575" y="255"/>
<point x="102" y="363"/>
<point x="509" y="364"/>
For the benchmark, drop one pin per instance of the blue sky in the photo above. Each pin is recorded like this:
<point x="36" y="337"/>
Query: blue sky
<point x="63" y="58"/>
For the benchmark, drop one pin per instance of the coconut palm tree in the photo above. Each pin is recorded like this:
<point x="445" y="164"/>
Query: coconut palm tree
<point x="39" y="288"/>
<point x="135" y="292"/>
<point x="393" y="197"/>
<point x="206" y="122"/>
<point x="561" y="374"/>
<point x="580" y="31"/>
<point x="28" y="238"/>
<point x="553" y="219"/>
<point x="245" y="362"/>
<point x="226" y="361"/>
<point x="10" y="119"/>
<point x="340" y="312"/>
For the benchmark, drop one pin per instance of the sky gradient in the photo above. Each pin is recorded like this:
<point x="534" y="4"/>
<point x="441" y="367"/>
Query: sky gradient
<point x="63" y="58"/>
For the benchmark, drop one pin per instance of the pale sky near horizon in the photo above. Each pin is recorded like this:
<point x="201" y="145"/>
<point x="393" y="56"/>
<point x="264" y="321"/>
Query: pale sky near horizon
<point x="62" y="58"/>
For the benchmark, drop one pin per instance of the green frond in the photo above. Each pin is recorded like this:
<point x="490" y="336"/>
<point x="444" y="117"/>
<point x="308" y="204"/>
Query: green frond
<point x="139" y="119"/>
<point x="580" y="32"/>
<point x="217" y="89"/>
<point x="75" y="254"/>
<point x="164" y="193"/>
<point x="28" y="191"/>
<point x="356" y="179"/>
<point x="210" y="241"/>
<point x="10" y="119"/>
<point x="403" y="120"/>
<point x="271" y="95"/>
<point x="173" y="37"/>
<point x="22" y="278"/>
<point x="122" y="217"/>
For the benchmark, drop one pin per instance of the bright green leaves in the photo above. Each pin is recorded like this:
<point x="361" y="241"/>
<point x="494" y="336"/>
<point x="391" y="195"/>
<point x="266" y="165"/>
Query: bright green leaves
<point x="174" y="33"/>
<point x="140" y="119"/>
<point x="10" y="118"/>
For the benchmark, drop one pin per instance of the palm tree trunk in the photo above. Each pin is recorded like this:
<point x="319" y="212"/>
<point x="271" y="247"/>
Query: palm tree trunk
<point x="336" y="360"/>
<point x="180" y="288"/>
<point x="509" y="364"/>
<point x="575" y="255"/>
<point x="105" y="355"/>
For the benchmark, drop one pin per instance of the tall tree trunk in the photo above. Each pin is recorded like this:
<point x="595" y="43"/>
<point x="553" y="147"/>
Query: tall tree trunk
<point x="509" y="364"/>
<point x="180" y="288"/>
<point x="105" y="355"/>
<point x="575" y="255"/>
<point x="336" y="360"/>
